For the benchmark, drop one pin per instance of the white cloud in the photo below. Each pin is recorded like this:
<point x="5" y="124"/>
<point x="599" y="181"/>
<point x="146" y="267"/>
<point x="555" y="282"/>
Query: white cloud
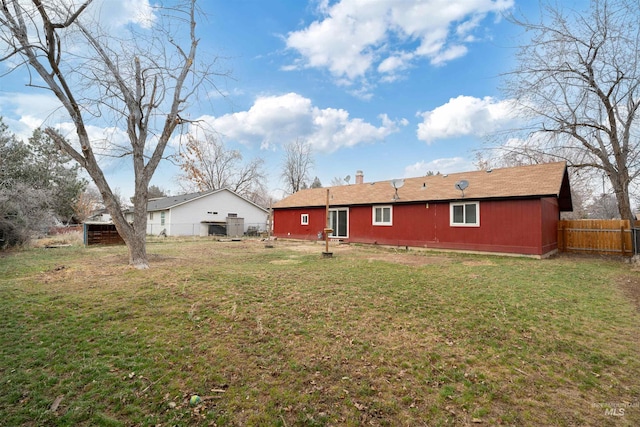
<point x="25" y="112"/>
<point x="450" y="53"/>
<point x="109" y="15"/>
<point x="446" y="165"/>
<point x="398" y="61"/>
<point x="33" y="104"/>
<point x="466" y="115"/>
<point x="353" y="37"/>
<point x="117" y="13"/>
<point x="276" y="120"/>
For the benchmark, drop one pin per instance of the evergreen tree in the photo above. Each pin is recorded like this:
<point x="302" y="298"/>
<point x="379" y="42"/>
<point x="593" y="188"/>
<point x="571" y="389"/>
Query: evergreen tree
<point x="37" y="186"/>
<point x="55" y="172"/>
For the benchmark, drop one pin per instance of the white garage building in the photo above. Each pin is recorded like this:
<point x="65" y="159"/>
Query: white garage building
<point x="214" y="212"/>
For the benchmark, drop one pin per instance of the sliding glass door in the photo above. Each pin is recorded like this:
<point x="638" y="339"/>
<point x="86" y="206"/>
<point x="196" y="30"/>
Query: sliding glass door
<point x="339" y="220"/>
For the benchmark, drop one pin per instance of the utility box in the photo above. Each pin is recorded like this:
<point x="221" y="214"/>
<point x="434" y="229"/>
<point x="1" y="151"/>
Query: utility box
<point x="235" y="227"/>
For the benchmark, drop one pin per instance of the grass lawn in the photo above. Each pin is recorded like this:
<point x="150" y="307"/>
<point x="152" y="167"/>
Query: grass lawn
<point x="282" y="337"/>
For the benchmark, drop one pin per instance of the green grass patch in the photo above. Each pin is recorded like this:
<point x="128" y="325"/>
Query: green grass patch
<point x="282" y="336"/>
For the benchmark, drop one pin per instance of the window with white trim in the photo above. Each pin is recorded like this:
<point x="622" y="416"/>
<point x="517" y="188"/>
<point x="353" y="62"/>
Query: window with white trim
<point x="465" y="214"/>
<point x="304" y="219"/>
<point x="382" y="215"/>
<point x="339" y="222"/>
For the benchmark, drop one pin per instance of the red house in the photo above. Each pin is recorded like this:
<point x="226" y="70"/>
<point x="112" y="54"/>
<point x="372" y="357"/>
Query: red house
<point x="508" y="210"/>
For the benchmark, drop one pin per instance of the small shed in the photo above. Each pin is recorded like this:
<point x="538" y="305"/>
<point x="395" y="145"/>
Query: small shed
<point x="101" y="233"/>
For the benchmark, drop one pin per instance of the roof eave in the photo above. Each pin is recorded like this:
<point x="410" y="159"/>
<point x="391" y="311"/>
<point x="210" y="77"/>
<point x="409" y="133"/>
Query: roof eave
<point x="409" y="202"/>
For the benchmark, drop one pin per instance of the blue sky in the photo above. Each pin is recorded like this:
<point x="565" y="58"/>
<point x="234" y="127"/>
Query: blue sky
<point x="394" y="88"/>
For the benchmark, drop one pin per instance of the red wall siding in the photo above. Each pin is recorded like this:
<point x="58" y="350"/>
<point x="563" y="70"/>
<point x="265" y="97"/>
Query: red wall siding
<point x="513" y="226"/>
<point x="287" y="223"/>
<point x="550" y="218"/>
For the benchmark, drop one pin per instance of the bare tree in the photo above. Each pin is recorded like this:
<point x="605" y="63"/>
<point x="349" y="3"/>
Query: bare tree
<point x="142" y="83"/>
<point x="24" y="212"/>
<point x="582" y="193"/>
<point x="581" y="179"/>
<point x="209" y="165"/>
<point x="578" y="80"/>
<point x="87" y="203"/>
<point x="297" y="164"/>
<point x="604" y="207"/>
<point x="336" y="181"/>
<point x="481" y="163"/>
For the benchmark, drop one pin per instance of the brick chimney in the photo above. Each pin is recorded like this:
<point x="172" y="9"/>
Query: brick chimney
<point x="359" y="177"/>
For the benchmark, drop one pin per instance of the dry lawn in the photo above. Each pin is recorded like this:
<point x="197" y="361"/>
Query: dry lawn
<point x="281" y="336"/>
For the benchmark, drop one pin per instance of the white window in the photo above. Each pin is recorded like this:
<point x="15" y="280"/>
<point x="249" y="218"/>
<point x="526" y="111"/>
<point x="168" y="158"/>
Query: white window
<point x="161" y="218"/>
<point x="382" y="215"/>
<point x="465" y="214"/>
<point x="304" y="219"/>
<point x="150" y="216"/>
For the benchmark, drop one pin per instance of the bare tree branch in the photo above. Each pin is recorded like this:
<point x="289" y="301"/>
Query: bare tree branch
<point x="208" y="165"/>
<point x="580" y="93"/>
<point x="297" y="164"/>
<point x="134" y="82"/>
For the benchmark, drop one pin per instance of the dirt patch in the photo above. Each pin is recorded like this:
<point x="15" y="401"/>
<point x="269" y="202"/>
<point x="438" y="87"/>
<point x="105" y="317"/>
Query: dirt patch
<point x="311" y="247"/>
<point x="630" y="285"/>
<point x="285" y="261"/>
<point x="407" y="259"/>
<point x="372" y="253"/>
<point x="482" y="263"/>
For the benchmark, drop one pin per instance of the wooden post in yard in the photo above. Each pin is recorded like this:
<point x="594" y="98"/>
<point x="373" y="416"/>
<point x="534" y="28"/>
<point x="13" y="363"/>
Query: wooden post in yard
<point x="327" y="230"/>
<point x="269" y="243"/>
<point x="560" y="236"/>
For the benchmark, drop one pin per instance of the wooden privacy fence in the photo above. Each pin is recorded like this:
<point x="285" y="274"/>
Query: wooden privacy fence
<point x="596" y="236"/>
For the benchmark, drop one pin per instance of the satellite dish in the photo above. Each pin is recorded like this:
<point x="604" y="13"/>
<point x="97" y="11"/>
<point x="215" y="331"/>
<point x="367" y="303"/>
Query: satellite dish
<point x="396" y="183"/>
<point x="347" y="179"/>
<point x="462" y="185"/>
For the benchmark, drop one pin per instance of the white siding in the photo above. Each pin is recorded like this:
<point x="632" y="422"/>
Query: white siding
<point x="154" y="226"/>
<point x="187" y="219"/>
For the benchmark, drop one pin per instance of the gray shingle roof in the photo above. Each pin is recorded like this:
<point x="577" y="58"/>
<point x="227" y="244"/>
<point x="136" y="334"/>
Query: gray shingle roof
<point x="171" y="201"/>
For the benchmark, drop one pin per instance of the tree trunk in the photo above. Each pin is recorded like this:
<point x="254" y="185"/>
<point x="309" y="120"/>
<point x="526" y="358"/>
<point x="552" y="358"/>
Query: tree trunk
<point x="135" y="239"/>
<point x="138" y="247"/>
<point x="134" y="235"/>
<point x="620" y="183"/>
<point x="139" y="87"/>
<point x="138" y="252"/>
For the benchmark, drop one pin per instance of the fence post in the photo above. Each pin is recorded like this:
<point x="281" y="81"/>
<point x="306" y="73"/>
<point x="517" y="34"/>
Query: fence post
<point x="622" y="239"/>
<point x="560" y="236"/>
